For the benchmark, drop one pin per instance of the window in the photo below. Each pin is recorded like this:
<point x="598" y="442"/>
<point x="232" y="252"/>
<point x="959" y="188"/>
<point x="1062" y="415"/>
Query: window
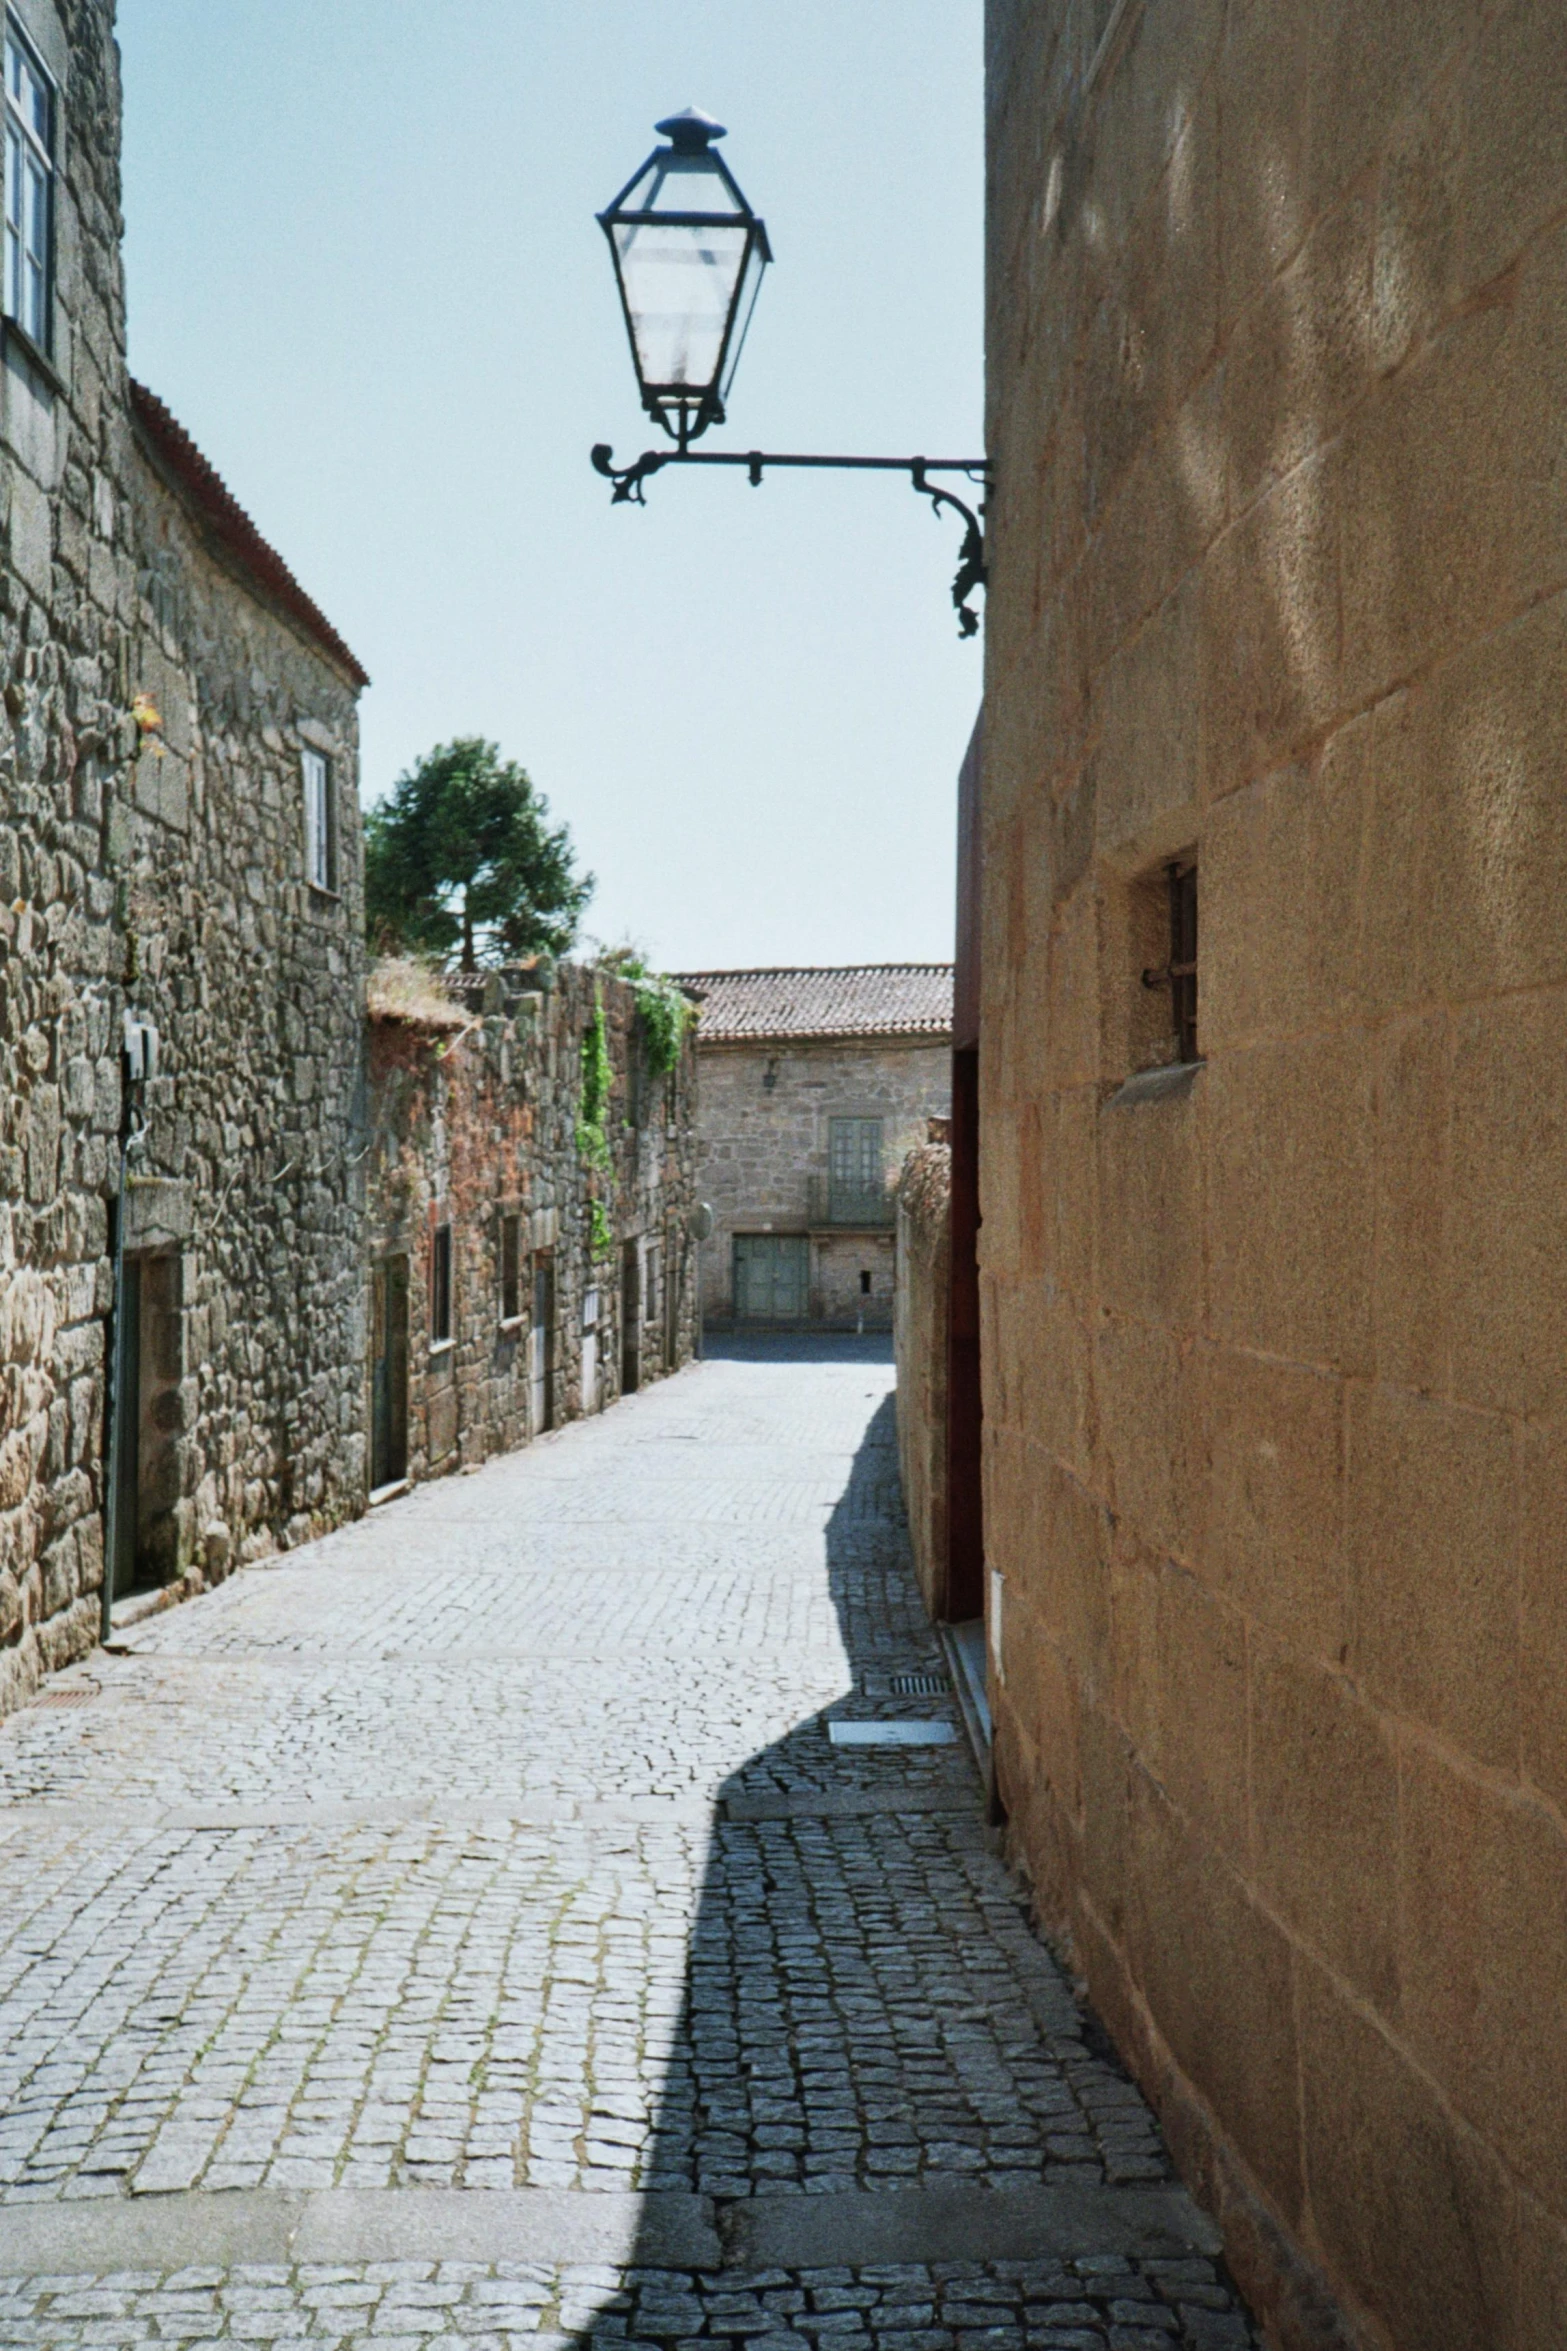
<point x="320" y="824"/>
<point x="29" y="188"/>
<point x="511" y="1269"/>
<point x="1179" y="973"/>
<point x="441" y="1286"/>
<point x="854" y="1170"/>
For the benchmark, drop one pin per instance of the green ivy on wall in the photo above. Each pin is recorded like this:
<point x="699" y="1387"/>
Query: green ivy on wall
<point x="597" y="1078"/>
<point x="665" y="1013"/>
<point x="666" y="1016"/>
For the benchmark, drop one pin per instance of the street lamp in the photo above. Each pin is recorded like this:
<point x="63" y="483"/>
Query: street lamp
<point x="689" y="255"/>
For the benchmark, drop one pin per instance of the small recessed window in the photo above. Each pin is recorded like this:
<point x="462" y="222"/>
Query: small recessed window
<point x="29" y="189"/>
<point x="320" y="822"/>
<point x="441" y="1285"/>
<point x="865" y="1283"/>
<point x="1179" y="972"/>
<point x="511" y="1269"/>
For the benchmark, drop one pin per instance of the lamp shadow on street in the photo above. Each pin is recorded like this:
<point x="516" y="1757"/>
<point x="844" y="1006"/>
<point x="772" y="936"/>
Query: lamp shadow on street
<point x="865" y="2006"/>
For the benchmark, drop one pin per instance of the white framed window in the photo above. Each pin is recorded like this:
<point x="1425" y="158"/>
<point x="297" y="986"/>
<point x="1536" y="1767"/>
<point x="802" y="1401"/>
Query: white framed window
<point x="29" y="188"/>
<point x="320" y="827"/>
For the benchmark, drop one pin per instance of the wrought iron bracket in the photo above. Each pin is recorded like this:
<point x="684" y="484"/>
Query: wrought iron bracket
<point x="630" y="488"/>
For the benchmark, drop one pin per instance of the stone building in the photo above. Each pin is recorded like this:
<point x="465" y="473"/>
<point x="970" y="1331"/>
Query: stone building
<point x="178" y="842"/>
<point x="1274" y="1241"/>
<point x="814" y="1084"/>
<point x="238" y="848"/>
<point x="521" y="1274"/>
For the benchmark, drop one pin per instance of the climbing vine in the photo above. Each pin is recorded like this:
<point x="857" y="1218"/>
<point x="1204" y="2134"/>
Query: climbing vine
<point x="666" y="1016"/>
<point x="597" y="1077"/>
<point x="601" y="1238"/>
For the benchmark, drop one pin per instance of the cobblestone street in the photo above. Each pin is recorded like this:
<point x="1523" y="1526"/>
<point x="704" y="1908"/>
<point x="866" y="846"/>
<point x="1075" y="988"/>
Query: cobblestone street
<point x="467" y="1928"/>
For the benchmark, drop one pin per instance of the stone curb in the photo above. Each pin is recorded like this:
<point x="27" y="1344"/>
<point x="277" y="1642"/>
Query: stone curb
<point x="438" y="1812"/>
<point x="96" y="2236"/>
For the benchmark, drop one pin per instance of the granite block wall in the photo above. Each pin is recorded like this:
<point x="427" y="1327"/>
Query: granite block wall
<point x="1274" y="1341"/>
<point x="67" y="603"/>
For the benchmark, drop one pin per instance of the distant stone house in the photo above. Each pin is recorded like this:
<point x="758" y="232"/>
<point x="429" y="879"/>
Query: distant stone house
<point x="813" y="1086"/>
<point x="520" y="1275"/>
<point x="179" y="843"/>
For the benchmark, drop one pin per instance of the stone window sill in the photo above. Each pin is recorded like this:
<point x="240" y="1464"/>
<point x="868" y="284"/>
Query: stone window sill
<point x="442" y="1346"/>
<point x="379" y="1494"/>
<point x="1156" y="1085"/>
<point x="324" y="896"/>
<point x="511" y="1324"/>
<point x="36" y="358"/>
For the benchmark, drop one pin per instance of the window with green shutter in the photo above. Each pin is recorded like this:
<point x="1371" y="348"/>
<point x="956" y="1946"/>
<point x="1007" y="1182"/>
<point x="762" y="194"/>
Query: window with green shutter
<point x="856" y="1181"/>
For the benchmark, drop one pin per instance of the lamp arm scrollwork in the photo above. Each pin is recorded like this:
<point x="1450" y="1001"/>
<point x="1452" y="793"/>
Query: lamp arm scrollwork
<point x="971" y="555"/>
<point x="630" y="485"/>
<point x="628" y="479"/>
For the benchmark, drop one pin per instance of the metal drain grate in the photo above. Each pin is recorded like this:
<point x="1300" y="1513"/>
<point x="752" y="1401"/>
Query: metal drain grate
<point x="917" y="1685"/>
<point x="74" y="1697"/>
<point x="891" y="1734"/>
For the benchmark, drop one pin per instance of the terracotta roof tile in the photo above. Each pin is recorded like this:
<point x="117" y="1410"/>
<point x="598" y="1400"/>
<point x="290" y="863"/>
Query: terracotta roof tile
<point x="232" y="526"/>
<point x="853" y="1000"/>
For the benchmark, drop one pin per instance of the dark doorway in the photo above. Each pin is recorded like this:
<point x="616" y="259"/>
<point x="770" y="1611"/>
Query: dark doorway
<point x="965" y="1513"/>
<point x="630" y="1319"/>
<point x="149" y="1463"/>
<point x="963" y="1600"/>
<point x="127" y="1432"/>
<point x="389" y="1374"/>
<point x="541" y="1346"/>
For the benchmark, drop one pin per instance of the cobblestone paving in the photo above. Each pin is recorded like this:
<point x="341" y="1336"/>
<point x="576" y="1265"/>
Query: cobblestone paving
<point x="1104" y="2303"/>
<point x="421" y="1858"/>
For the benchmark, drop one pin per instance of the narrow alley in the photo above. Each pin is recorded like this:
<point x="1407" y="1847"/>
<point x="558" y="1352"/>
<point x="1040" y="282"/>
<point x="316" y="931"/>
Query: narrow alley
<point x="467" y="1927"/>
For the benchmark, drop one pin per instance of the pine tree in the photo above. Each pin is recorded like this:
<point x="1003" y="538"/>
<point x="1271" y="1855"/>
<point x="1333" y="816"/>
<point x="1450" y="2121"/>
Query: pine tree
<point x="461" y="856"/>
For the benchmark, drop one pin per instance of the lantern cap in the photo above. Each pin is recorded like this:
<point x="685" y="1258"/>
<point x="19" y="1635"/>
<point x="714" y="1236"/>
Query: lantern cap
<point x="690" y="131"/>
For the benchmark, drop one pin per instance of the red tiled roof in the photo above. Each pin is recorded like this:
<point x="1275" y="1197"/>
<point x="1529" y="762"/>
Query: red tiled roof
<point x="853" y="1000"/>
<point x="232" y="526"/>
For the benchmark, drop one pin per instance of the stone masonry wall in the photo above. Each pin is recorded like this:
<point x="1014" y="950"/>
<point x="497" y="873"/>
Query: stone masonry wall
<point x="924" y="1280"/>
<point x="162" y="873"/>
<point x="477" y="1121"/>
<point x="250" y="1186"/>
<point x="1275" y="1350"/>
<point x="763" y="1163"/>
<point x="66" y="606"/>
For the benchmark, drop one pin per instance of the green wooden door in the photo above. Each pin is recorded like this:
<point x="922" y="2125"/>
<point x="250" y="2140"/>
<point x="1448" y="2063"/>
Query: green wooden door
<point x="772" y="1277"/>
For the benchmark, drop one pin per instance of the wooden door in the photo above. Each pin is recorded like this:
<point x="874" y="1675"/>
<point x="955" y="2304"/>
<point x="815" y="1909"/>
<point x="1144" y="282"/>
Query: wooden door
<point x="630" y="1319"/>
<point x="127" y="1434"/>
<point x="389" y="1373"/>
<point x="772" y="1277"/>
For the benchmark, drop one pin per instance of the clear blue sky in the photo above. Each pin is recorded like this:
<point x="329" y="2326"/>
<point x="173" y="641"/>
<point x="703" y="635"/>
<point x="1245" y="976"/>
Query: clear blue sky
<point x="364" y="272"/>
